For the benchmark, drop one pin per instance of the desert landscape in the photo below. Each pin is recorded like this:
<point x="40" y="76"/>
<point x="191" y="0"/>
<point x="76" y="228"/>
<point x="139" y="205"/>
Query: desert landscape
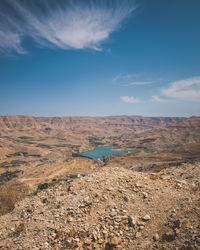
<point x="146" y="198"/>
<point x="99" y="125"/>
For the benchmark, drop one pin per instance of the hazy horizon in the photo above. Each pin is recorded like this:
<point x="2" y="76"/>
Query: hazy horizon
<point x="97" y="116"/>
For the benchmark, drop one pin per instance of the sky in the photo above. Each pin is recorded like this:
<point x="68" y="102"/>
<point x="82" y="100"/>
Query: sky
<point x="100" y="57"/>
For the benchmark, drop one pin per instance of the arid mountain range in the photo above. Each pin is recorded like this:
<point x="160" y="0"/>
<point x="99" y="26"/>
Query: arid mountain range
<point x="26" y="142"/>
<point x="50" y="136"/>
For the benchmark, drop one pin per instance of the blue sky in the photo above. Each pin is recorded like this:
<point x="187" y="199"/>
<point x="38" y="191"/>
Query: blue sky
<point x="100" y="57"/>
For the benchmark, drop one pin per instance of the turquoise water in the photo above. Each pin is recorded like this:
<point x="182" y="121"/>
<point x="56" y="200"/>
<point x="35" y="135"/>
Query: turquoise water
<point x="100" y="152"/>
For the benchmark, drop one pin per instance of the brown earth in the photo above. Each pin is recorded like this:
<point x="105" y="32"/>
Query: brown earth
<point x="83" y="201"/>
<point x="111" y="208"/>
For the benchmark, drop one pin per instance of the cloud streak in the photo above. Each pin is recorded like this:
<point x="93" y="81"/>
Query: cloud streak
<point x="64" y="24"/>
<point x="130" y="80"/>
<point x="137" y="83"/>
<point x="130" y="99"/>
<point x="156" y="98"/>
<point x="126" y="77"/>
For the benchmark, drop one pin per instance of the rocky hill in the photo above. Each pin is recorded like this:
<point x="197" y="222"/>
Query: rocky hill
<point x="111" y="208"/>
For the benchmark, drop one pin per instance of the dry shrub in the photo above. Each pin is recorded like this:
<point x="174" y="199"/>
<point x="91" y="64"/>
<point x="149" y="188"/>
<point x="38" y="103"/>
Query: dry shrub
<point x="20" y="228"/>
<point x="153" y="176"/>
<point x="157" y="169"/>
<point x="10" y="193"/>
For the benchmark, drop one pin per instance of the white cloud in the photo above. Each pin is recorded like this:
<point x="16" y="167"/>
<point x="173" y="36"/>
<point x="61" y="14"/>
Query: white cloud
<point x="156" y="98"/>
<point x="137" y="83"/>
<point x="129" y="80"/>
<point x="126" y="77"/>
<point x="130" y="99"/>
<point x="10" y="41"/>
<point x="186" y="90"/>
<point x="63" y="24"/>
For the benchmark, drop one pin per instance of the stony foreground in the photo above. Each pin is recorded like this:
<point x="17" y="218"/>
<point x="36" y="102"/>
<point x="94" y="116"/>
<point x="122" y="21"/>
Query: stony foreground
<point x="113" y="208"/>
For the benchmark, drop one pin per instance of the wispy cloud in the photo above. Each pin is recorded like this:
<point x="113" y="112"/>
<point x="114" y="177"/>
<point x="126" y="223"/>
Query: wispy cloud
<point x="126" y="77"/>
<point x="156" y="98"/>
<point x="130" y="80"/>
<point x="137" y="83"/>
<point x="130" y="99"/>
<point x="10" y="41"/>
<point x="186" y="90"/>
<point x="65" y="24"/>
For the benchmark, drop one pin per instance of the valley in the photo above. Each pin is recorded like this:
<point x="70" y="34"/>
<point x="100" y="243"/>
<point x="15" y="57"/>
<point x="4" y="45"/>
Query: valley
<point x="41" y="160"/>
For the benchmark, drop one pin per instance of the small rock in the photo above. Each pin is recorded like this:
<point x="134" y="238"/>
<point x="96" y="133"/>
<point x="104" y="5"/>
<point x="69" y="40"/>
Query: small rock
<point x="68" y="242"/>
<point x="140" y="223"/>
<point x="145" y="195"/>
<point x="132" y="221"/>
<point x="176" y="230"/>
<point x="126" y="198"/>
<point x="87" y="241"/>
<point x="156" y="237"/>
<point x="70" y="219"/>
<point x="146" y="217"/>
<point x="137" y="184"/>
<point x="138" y="235"/>
<point x="113" y="241"/>
<point x="112" y="214"/>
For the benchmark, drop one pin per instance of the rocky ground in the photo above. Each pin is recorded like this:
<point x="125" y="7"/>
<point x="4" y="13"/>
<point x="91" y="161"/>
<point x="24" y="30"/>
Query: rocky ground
<point x="110" y="208"/>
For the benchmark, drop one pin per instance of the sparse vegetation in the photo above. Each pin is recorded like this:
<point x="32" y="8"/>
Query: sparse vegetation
<point x="43" y="186"/>
<point x="7" y="176"/>
<point x="35" y="155"/>
<point x="157" y="169"/>
<point x="9" y="195"/>
<point x="14" y="154"/>
<point x="44" y="146"/>
<point x="147" y="140"/>
<point x="25" y="154"/>
<point x="115" y="137"/>
<point x="96" y="141"/>
<point x="5" y="164"/>
<point x="141" y="148"/>
<point x="15" y="163"/>
<point x="61" y="145"/>
<point x="19" y="228"/>
<point x="153" y="177"/>
<point x="26" y="138"/>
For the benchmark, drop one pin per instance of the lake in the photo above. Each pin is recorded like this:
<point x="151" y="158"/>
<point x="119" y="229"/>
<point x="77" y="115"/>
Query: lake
<point x="100" y="152"/>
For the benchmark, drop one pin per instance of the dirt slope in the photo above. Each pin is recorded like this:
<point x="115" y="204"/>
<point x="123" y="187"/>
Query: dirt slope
<point x="112" y="208"/>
